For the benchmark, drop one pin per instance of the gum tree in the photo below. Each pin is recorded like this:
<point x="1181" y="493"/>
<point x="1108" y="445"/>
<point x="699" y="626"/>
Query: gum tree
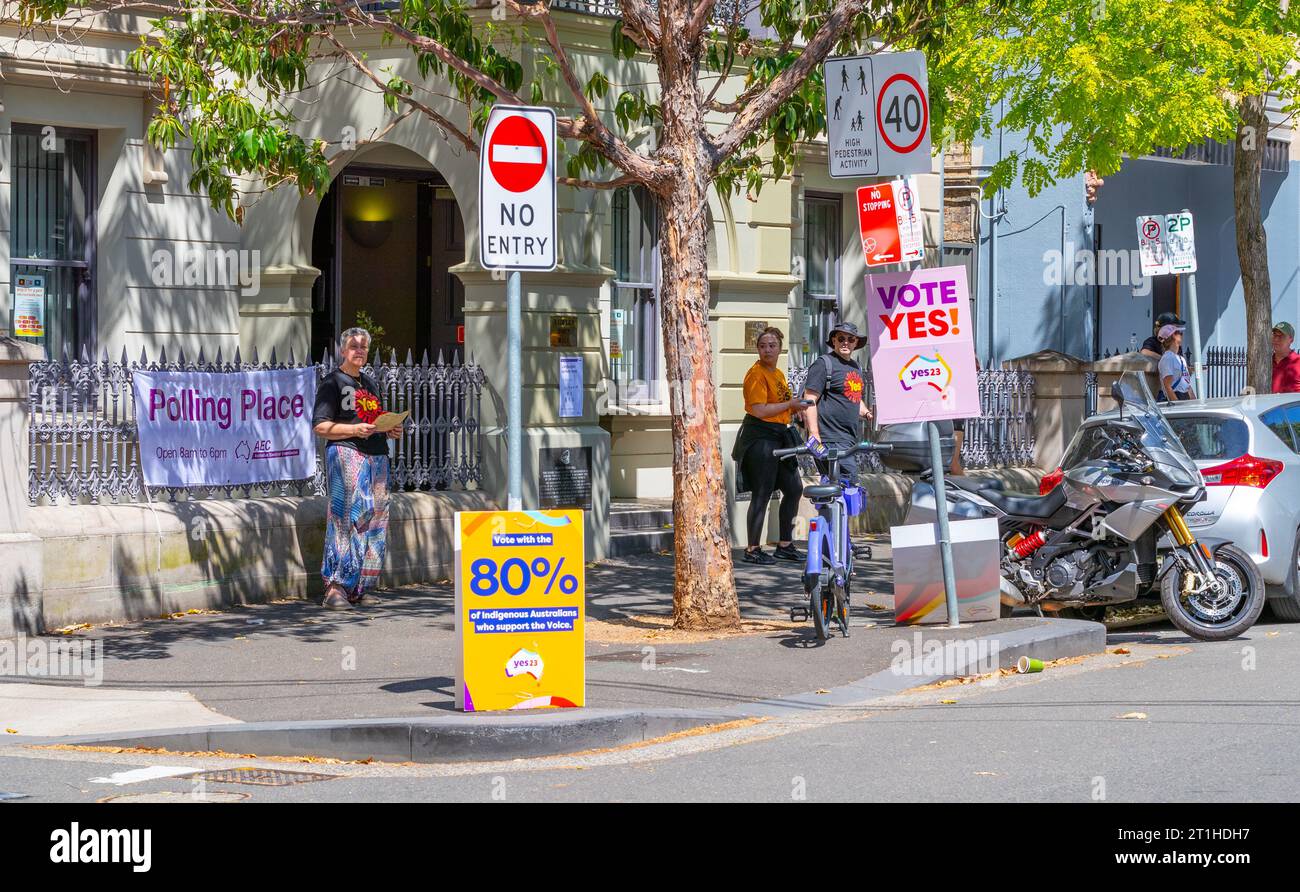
<point x="734" y="89"/>
<point x="1090" y="82"/>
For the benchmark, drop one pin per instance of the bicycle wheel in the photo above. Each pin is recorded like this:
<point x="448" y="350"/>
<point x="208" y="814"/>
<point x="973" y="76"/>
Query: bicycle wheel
<point x="821" y="603"/>
<point x="842" y="610"/>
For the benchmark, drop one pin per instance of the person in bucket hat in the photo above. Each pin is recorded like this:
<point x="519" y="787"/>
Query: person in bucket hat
<point x="1286" y="362"/>
<point x="1151" y="346"/>
<point x="836" y="388"/>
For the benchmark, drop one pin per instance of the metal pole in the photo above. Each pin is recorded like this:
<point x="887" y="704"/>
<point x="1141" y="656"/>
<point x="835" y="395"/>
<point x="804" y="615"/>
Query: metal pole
<point x="1194" y="317"/>
<point x="945" y="540"/>
<point x="514" y="398"/>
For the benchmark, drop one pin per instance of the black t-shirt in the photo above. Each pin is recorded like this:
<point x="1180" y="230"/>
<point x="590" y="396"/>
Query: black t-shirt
<point x="1153" y="344"/>
<point x="336" y="401"/>
<point x="839" y="395"/>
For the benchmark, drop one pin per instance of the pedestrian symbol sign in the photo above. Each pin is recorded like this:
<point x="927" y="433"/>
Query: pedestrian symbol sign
<point x="517" y="189"/>
<point x="878" y="115"/>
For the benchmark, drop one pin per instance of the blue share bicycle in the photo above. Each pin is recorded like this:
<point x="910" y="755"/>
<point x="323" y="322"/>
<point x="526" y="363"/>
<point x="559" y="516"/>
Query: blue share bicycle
<point x="829" y="566"/>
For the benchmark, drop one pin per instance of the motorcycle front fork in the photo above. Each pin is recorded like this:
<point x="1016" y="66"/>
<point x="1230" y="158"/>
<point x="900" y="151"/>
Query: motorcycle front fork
<point x="1202" y="561"/>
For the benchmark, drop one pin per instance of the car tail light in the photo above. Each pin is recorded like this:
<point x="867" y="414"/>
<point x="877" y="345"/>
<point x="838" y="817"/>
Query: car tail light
<point x="1050" y="481"/>
<point x="1244" y="471"/>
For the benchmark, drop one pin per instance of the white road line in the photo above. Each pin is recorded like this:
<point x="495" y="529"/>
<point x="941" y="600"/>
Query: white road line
<point x="139" y="775"/>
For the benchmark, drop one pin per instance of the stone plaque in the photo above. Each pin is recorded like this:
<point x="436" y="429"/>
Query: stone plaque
<point x="564" y="477"/>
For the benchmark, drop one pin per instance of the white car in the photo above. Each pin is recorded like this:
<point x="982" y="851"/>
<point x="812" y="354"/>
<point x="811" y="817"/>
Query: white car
<point x="1248" y="450"/>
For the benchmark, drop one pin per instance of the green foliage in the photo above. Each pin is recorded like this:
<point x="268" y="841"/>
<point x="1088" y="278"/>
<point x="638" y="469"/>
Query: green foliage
<point x="379" y="351"/>
<point x="1090" y="82"/>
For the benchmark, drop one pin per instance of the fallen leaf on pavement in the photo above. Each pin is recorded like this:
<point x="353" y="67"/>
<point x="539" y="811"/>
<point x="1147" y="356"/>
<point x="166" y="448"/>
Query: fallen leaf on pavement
<point x="68" y="630"/>
<point x="948" y="701"/>
<point x="11" y="730"/>
<point x="821" y="691"/>
<point x="1121" y="650"/>
<point x="1271" y="634"/>
<point x="1132" y="715"/>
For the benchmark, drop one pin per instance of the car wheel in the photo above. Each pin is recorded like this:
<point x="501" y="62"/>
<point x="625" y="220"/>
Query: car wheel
<point x="1287" y="606"/>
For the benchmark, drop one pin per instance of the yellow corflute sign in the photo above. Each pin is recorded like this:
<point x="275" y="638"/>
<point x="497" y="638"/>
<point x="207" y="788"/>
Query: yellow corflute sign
<point x="520" y="610"/>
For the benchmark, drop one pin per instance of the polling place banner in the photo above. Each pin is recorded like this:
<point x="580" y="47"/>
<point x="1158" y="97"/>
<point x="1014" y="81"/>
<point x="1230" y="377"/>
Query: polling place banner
<point x="922" y="351"/>
<point x="219" y="428"/>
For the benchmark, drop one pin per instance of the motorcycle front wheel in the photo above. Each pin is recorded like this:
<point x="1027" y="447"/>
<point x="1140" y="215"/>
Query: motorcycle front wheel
<point x="1216" y="618"/>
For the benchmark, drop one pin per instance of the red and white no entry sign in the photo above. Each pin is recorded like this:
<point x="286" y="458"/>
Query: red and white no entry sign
<point x="516" y="189"/>
<point x="517" y="154"/>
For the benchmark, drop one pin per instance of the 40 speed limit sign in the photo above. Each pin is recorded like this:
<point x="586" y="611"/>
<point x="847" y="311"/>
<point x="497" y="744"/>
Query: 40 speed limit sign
<point x="878" y="115"/>
<point x="520" y="609"/>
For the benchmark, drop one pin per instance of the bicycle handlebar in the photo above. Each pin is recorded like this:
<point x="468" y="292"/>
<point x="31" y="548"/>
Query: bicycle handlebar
<point x="833" y="453"/>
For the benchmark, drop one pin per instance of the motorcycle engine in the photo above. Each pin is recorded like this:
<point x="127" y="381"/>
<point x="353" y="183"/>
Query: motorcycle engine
<point x="1065" y="571"/>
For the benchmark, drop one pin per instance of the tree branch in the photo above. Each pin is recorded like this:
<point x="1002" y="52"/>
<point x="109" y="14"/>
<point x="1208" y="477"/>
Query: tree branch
<point x="782" y="87"/>
<point x="638" y="17"/>
<point x="409" y="100"/>
<point x="700" y="19"/>
<point x="628" y="180"/>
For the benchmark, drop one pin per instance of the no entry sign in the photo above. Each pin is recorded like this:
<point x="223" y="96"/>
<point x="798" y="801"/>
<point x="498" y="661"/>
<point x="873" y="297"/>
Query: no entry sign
<point x="517" y="189"/>
<point x="878" y="115"/>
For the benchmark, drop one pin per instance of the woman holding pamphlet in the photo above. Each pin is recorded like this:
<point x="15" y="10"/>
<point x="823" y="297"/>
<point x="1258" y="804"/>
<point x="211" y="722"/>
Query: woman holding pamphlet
<point x="349" y="416"/>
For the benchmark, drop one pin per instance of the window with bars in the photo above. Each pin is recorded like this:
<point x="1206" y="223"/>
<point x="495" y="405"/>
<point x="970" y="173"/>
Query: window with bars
<point x="634" y="328"/>
<point x="52" y="231"/>
<point x="821" y="284"/>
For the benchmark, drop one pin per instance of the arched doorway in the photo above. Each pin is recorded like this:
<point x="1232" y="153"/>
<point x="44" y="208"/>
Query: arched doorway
<point x="384" y="240"/>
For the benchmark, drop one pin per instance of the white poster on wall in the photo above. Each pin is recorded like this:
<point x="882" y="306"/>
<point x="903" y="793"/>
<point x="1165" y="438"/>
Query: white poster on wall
<point x="219" y="429"/>
<point x="570" y="386"/>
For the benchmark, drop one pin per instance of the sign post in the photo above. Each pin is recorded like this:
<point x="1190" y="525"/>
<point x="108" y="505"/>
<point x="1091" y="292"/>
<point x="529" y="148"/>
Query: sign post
<point x="1167" y="246"/>
<point x="517" y="231"/>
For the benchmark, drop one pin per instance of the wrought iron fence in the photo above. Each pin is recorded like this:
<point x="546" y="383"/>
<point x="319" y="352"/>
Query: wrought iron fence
<point x="1225" y="375"/>
<point x="1003" y="437"/>
<point x="84" y="444"/>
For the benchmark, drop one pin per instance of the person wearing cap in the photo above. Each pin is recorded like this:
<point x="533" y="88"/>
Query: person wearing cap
<point x="835" y="387"/>
<point x="1175" y="379"/>
<point x="1151" y="346"/>
<point x="1286" y="362"/>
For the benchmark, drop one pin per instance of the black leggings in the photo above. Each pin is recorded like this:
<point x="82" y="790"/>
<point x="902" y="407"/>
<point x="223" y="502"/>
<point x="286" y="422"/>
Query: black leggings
<point x="764" y="473"/>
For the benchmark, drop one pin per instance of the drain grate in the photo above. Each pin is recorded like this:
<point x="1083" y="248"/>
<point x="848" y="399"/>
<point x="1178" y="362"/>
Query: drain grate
<point x="262" y="777"/>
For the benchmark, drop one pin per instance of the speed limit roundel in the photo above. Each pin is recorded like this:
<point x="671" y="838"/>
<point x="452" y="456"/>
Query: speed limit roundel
<point x="902" y="113"/>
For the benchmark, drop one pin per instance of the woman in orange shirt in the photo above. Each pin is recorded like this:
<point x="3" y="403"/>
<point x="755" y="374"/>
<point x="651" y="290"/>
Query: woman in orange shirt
<point x="768" y="407"/>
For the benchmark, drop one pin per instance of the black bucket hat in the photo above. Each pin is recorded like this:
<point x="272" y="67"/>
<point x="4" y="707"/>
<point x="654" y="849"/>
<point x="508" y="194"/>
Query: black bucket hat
<point x="847" y="328"/>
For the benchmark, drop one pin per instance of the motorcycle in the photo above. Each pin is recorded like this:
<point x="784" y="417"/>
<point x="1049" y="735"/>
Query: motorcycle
<point x="1113" y="531"/>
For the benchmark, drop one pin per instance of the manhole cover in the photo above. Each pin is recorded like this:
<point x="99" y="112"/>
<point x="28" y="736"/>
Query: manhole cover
<point x="262" y="777"/>
<point x="173" y="796"/>
<point x="636" y="656"/>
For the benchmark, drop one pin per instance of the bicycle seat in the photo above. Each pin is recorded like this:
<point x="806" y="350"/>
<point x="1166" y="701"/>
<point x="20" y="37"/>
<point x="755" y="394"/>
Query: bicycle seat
<point x="1022" y="505"/>
<point x="821" y="492"/>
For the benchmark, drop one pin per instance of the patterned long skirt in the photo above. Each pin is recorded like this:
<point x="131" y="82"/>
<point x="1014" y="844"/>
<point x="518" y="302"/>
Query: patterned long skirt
<point x="356" y="532"/>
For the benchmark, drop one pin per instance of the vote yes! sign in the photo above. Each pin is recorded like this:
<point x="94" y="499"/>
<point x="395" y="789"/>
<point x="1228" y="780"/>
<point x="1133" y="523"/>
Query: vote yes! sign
<point x="922" y="351"/>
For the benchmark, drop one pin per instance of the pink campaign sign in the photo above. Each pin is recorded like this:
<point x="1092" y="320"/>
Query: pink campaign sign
<point x="922" y="351"/>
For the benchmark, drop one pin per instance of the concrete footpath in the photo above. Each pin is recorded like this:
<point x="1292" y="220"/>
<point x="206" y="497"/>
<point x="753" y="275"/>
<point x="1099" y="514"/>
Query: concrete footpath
<point x="293" y="661"/>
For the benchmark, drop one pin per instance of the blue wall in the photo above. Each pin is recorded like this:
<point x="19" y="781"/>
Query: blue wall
<point x="1038" y="310"/>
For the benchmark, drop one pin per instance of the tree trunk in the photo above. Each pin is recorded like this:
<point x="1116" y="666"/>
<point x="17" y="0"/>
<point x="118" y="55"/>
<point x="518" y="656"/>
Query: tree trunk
<point x="1252" y="242"/>
<point x="704" y="592"/>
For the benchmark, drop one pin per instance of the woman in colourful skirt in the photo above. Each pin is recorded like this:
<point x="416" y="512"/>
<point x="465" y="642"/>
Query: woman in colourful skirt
<point x="356" y="475"/>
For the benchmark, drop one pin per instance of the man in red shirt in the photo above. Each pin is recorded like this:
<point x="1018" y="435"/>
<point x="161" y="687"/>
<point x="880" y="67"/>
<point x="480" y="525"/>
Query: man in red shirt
<point x="1286" y="362"/>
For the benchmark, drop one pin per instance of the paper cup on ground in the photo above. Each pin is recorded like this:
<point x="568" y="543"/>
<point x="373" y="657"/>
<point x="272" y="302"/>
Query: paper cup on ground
<point x="1028" y="664"/>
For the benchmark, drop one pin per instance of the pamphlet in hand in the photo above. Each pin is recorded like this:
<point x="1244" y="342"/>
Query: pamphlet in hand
<point x="389" y="420"/>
